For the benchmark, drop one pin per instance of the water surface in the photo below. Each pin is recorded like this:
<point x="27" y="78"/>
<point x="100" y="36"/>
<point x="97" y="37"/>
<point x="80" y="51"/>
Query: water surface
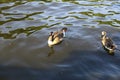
<point x="25" y="27"/>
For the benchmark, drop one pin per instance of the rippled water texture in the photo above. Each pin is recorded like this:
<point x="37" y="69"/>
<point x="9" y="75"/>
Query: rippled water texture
<point x="25" y="27"/>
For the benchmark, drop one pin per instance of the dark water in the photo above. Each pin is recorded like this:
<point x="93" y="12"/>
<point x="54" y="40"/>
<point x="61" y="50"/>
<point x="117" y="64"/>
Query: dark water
<point x="24" y="29"/>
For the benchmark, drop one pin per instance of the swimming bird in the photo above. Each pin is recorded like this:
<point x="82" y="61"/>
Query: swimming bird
<point x="107" y="43"/>
<point x="56" y="37"/>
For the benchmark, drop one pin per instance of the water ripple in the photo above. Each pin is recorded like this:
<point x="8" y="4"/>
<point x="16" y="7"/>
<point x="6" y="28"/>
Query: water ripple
<point x="25" y="27"/>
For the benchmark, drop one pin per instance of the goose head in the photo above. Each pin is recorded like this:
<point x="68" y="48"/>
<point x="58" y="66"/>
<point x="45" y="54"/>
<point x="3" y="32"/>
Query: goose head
<point x="103" y="33"/>
<point x="64" y="31"/>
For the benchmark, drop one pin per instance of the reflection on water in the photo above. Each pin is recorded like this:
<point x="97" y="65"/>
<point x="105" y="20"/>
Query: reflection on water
<point x="25" y="27"/>
<point x="29" y="30"/>
<point x="51" y="51"/>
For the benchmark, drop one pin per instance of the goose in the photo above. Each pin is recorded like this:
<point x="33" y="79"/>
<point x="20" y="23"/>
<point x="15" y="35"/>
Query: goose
<point x="56" y="37"/>
<point x="107" y="43"/>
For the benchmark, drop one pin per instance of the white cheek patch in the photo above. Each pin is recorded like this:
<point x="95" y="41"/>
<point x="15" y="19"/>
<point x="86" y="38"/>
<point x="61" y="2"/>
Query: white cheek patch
<point x="64" y="34"/>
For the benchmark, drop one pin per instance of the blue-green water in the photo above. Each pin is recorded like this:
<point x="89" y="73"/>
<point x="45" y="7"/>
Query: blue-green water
<point x="25" y="27"/>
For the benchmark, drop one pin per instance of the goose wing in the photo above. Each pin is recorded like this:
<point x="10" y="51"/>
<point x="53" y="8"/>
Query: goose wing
<point x="109" y="43"/>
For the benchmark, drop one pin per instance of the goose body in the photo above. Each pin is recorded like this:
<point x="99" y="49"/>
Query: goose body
<point x="107" y="43"/>
<point x="56" y="37"/>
